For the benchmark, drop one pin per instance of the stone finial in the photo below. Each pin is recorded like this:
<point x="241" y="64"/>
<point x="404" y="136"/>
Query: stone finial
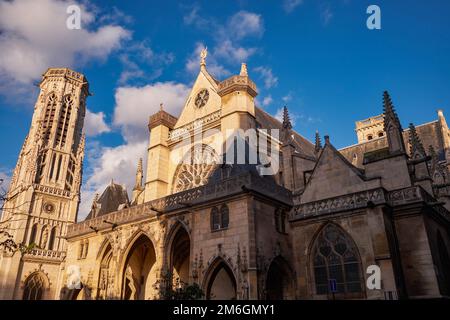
<point x="95" y="200"/>
<point x="318" y="142"/>
<point x="244" y="71"/>
<point x="203" y="55"/>
<point x="161" y="106"/>
<point x="286" y="119"/>
<point x="139" y="175"/>
<point x="417" y="149"/>
<point x="327" y="139"/>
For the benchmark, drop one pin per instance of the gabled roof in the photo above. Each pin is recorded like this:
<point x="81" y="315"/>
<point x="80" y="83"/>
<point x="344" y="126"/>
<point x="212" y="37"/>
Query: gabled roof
<point x="333" y="175"/>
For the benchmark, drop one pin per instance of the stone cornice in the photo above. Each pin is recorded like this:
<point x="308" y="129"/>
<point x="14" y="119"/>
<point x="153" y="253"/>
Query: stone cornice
<point x="363" y="199"/>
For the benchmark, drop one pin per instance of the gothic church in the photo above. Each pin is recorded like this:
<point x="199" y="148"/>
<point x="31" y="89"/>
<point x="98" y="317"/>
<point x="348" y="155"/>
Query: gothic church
<point x="308" y="231"/>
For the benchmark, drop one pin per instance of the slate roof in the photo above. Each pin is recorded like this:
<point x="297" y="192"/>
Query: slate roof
<point x="114" y="198"/>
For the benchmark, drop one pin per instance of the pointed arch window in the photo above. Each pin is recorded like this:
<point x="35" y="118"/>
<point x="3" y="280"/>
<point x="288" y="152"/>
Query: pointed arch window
<point x="64" y="118"/>
<point x="33" y="234"/>
<point x="280" y="221"/>
<point x="220" y="218"/>
<point x="335" y="259"/>
<point x="49" y="116"/>
<point x="51" y="242"/>
<point x="34" y="287"/>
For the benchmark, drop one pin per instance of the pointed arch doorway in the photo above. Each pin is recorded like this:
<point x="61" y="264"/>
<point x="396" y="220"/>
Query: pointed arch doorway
<point x="179" y="261"/>
<point x="220" y="282"/>
<point x="139" y="272"/>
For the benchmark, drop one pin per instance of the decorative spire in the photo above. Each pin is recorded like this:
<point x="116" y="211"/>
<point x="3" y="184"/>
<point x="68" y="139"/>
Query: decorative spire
<point x="318" y="146"/>
<point x="161" y="106"/>
<point x="203" y="55"/>
<point x="392" y="127"/>
<point x="416" y="148"/>
<point x="244" y="71"/>
<point x="390" y="116"/>
<point x="286" y="119"/>
<point x="139" y="175"/>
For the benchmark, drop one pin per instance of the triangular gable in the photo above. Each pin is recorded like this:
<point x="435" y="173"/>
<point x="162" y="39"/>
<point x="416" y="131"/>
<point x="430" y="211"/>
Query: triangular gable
<point x="190" y="112"/>
<point x="333" y="176"/>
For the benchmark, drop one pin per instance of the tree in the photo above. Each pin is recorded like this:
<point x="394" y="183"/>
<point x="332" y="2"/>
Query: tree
<point x="177" y="290"/>
<point x="7" y="242"/>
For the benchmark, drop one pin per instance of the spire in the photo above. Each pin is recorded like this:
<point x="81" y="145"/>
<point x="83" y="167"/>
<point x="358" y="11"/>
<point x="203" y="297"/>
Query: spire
<point x="244" y="71"/>
<point x="416" y="147"/>
<point x="392" y="126"/>
<point x="286" y="119"/>
<point x="318" y="145"/>
<point x="390" y="116"/>
<point x="139" y="175"/>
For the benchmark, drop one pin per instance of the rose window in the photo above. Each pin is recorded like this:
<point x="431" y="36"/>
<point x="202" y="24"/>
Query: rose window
<point x="195" y="169"/>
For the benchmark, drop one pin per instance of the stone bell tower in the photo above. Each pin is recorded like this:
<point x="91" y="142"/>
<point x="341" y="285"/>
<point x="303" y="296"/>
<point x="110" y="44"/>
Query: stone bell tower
<point x="45" y="188"/>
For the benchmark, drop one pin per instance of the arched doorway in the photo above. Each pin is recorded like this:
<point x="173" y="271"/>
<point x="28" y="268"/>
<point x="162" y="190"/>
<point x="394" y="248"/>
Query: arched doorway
<point x="221" y="284"/>
<point x="34" y="287"/>
<point x="279" y="282"/>
<point x="336" y="265"/>
<point x="139" y="275"/>
<point x="180" y="256"/>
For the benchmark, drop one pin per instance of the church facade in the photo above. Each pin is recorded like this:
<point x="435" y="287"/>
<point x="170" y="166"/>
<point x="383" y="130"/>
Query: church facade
<point x="300" y="220"/>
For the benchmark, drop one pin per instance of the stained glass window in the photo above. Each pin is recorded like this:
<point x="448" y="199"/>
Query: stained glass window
<point x="335" y="258"/>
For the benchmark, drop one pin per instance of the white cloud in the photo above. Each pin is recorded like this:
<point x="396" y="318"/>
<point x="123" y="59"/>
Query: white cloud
<point x="266" y="74"/>
<point x="94" y="123"/>
<point x="232" y="53"/>
<point x="118" y="163"/>
<point x="140" y="53"/>
<point x="5" y="179"/>
<point x="290" y="5"/>
<point x="326" y="14"/>
<point x="243" y="24"/>
<point x="287" y="97"/>
<point x="296" y="117"/>
<point x="134" y="105"/>
<point x="267" y="101"/>
<point x="34" y="36"/>
<point x="228" y="37"/>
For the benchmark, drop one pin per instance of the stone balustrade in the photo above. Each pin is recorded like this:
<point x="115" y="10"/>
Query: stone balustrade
<point x="45" y="254"/>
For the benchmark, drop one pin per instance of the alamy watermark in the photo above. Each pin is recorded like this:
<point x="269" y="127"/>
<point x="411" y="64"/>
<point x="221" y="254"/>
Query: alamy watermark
<point x="73" y="21"/>
<point x="374" y="20"/>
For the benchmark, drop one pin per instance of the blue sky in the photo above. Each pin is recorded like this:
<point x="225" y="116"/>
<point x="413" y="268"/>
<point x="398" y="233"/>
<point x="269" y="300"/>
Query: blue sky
<point x="315" y="56"/>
